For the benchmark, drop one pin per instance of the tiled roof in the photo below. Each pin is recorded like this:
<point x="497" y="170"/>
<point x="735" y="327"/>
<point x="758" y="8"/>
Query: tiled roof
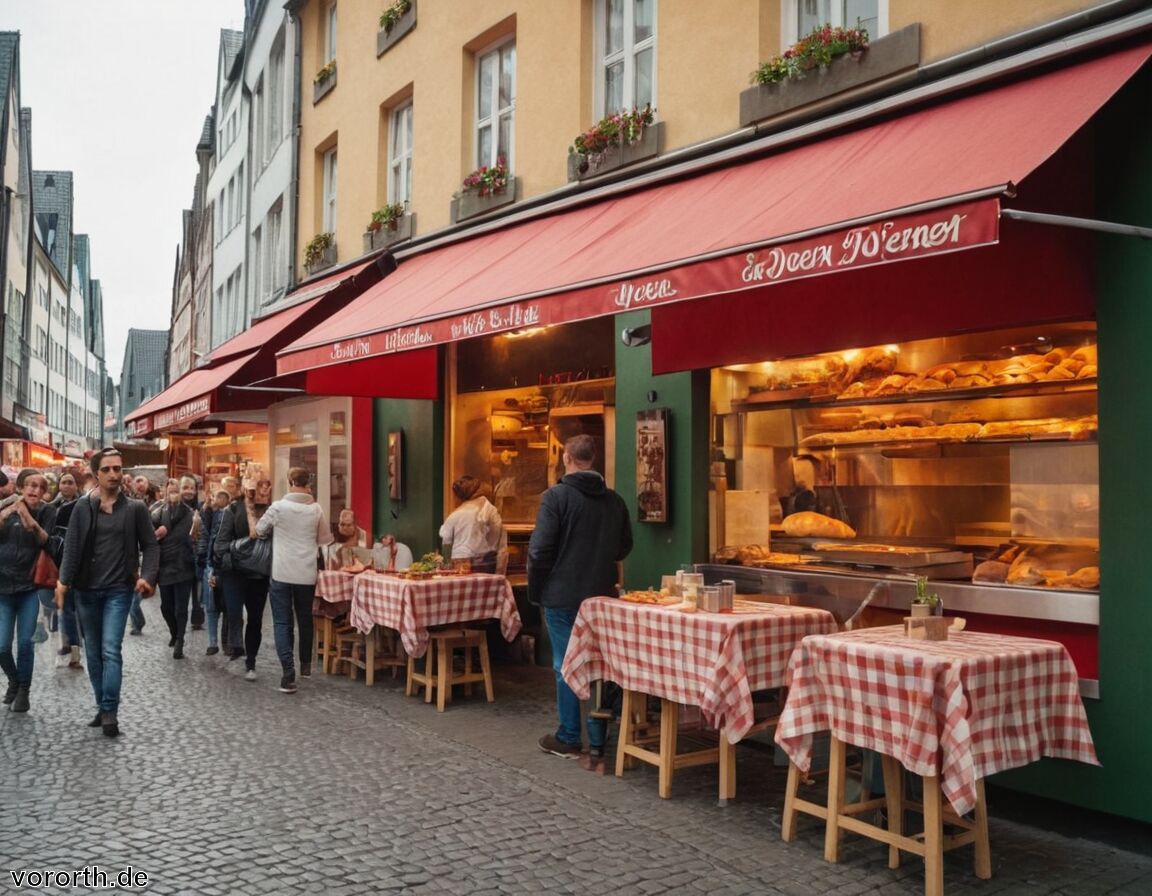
<point x="82" y="259"/>
<point x="52" y="204"/>
<point x="94" y="311"/>
<point x="144" y="354"/>
<point x="207" y="133"/>
<point x="9" y="41"/>
<point x="232" y="44"/>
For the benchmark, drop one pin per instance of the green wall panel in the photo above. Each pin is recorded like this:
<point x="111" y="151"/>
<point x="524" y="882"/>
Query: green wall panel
<point x="415" y="521"/>
<point x="661" y="547"/>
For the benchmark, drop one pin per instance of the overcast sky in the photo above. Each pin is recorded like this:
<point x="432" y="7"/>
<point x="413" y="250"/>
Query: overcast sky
<point x="118" y="91"/>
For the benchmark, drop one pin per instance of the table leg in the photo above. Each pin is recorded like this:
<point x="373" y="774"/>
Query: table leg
<point x="627" y="725"/>
<point x="836" y="778"/>
<point x="370" y="658"/>
<point x="788" y="825"/>
<point x="444" y="659"/>
<point x="669" y="725"/>
<point x="933" y="837"/>
<point x="727" y="767"/>
<point x="983" y="850"/>
<point x="894" y="803"/>
<point x="429" y="670"/>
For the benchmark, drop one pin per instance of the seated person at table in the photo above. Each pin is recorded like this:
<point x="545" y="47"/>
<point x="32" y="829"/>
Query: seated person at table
<point x="474" y="530"/>
<point x="347" y="535"/>
<point x="392" y="553"/>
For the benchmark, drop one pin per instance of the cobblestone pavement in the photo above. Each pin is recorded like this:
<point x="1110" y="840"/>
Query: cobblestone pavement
<point x="219" y="785"/>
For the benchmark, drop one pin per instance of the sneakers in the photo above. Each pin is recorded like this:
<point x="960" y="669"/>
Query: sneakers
<point x="250" y="675"/>
<point x="550" y="744"/>
<point x="305" y="670"/>
<point x="212" y="651"/>
<point x="287" y="683"/>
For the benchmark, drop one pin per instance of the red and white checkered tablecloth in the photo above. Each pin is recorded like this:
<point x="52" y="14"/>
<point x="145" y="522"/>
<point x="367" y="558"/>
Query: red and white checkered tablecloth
<point x="334" y="586"/>
<point x="962" y="709"/>
<point x="711" y="660"/>
<point x="410" y="606"/>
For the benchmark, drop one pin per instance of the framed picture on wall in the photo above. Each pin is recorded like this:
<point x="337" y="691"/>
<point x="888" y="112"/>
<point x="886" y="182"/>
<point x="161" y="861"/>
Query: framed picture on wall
<point x="652" y="466"/>
<point x="396" y="465"/>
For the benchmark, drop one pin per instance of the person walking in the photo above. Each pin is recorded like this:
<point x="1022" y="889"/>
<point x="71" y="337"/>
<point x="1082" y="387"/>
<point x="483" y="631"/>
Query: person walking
<point x="211" y="586"/>
<point x="244" y="592"/>
<point x="110" y="553"/>
<point x="24" y="527"/>
<point x="64" y="502"/>
<point x="474" y="530"/>
<point x="582" y="535"/>
<point x="300" y="530"/>
<point x="176" y="527"/>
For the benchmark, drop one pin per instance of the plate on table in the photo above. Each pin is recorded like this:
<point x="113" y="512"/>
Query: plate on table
<point x="652" y="598"/>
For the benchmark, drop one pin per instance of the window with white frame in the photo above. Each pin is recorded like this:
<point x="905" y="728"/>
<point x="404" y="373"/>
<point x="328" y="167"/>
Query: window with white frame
<point x="276" y="264"/>
<point x="230" y="205"/>
<point x="330" y="190"/>
<point x="257" y="268"/>
<point x="801" y="16"/>
<point x="400" y="155"/>
<point x="495" y="104"/>
<point x="330" y="32"/>
<point x="275" y="93"/>
<point x="259" y="120"/>
<point x="626" y="45"/>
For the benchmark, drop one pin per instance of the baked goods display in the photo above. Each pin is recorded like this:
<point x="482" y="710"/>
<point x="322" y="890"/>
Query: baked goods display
<point x="1040" y="566"/>
<point x="871" y="430"/>
<point x="808" y="523"/>
<point x="757" y="555"/>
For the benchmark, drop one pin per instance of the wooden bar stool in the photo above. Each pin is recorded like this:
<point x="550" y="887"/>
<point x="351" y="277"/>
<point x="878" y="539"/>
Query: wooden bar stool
<point x="439" y="671"/>
<point x="323" y="645"/>
<point x="379" y="650"/>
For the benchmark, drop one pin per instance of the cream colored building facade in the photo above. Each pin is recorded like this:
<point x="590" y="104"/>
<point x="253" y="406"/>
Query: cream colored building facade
<point x="703" y="56"/>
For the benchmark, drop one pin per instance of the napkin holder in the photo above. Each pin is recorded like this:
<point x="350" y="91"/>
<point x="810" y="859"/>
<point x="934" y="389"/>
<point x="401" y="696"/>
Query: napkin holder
<point x="931" y="628"/>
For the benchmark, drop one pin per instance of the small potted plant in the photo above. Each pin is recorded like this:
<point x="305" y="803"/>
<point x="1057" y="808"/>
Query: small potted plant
<point x="486" y="188"/>
<point x="487" y="180"/>
<point x="925" y="603"/>
<point x="320" y="251"/>
<point x="393" y="13"/>
<point x="324" y="81"/>
<point x="389" y="224"/>
<point x="386" y="218"/>
<point x="398" y="18"/>
<point x="325" y="73"/>
<point x="613" y="134"/>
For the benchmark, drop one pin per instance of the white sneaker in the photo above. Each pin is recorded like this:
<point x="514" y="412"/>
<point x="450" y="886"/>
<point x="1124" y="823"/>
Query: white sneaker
<point x="250" y="675"/>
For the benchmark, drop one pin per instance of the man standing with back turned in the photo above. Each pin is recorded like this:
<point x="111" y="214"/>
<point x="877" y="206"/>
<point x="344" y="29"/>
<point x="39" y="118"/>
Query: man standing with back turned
<point x="107" y="534"/>
<point x="582" y="535"/>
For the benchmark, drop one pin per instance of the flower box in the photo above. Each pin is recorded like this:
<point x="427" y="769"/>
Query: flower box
<point x="470" y="204"/>
<point x="321" y="89"/>
<point x="326" y="260"/>
<point x="385" y="40"/>
<point x="384" y="237"/>
<point x="582" y="167"/>
<point x="890" y="55"/>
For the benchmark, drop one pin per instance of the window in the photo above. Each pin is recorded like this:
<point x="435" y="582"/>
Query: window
<point x="259" y="114"/>
<point x="330" y="33"/>
<point x="230" y="205"/>
<point x="275" y="92"/>
<point x="495" y="104"/>
<point x="277" y="264"/>
<point x="400" y="182"/>
<point x="257" y="263"/>
<point x="330" y="191"/>
<point x="801" y="16"/>
<point x="627" y="64"/>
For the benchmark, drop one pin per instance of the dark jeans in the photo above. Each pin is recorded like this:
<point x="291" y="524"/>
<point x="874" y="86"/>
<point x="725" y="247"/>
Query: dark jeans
<point x="103" y="616"/>
<point x="135" y="613"/>
<point x="286" y="600"/>
<point x="18" y="614"/>
<point x="244" y="595"/>
<point x="174" y="607"/>
<point x="559" y="621"/>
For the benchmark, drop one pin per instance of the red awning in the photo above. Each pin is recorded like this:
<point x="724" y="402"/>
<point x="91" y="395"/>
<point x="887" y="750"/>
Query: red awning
<point x="733" y="229"/>
<point x="190" y="398"/>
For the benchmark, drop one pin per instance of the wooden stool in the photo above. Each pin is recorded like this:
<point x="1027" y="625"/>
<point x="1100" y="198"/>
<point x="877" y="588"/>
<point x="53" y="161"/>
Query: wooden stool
<point x="323" y="644"/>
<point x="345" y="640"/>
<point x="931" y="844"/>
<point x="377" y="651"/>
<point x="439" y="672"/>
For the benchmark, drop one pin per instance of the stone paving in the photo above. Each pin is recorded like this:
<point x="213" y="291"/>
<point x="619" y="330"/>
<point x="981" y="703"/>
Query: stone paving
<point x="219" y="785"/>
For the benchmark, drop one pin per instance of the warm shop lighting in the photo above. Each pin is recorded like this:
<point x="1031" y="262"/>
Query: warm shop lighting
<point x="525" y="331"/>
<point x="502" y="424"/>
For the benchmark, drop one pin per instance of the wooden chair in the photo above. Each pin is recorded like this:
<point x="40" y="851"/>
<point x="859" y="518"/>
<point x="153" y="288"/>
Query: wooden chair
<point x="439" y="673"/>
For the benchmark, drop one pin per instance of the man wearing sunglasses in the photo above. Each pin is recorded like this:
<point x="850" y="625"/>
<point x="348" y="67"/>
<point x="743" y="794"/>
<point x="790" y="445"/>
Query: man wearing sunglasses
<point x="107" y="536"/>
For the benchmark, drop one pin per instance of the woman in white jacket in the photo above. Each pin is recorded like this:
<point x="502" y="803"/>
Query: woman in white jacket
<point x="300" y="528"/>
<point x="474" y="530"/>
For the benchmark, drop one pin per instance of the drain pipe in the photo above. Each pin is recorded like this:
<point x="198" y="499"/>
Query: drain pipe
<point x="294" y="18"/>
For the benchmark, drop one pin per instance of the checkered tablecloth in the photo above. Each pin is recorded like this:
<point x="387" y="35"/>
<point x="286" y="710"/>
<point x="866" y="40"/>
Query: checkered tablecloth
<point x="711" y="660"/>
<point x="410" y="606"/>
<point x="961" y="709"/>
<point x="334" y="586"/>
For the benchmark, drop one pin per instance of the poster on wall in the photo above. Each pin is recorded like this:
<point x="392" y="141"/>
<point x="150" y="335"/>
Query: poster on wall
<point x="652" y="466"/>
<point x="396" y="465"/>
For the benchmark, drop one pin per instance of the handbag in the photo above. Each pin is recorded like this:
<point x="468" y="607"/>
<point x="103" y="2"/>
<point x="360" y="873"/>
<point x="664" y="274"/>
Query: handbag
<point x="252" y="556"/>
<point x="45" y="574"/>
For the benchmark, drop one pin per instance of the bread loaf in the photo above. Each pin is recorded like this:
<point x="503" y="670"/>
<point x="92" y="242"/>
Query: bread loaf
<point x="808" y="523"/>
<point x="1086" y="353"/>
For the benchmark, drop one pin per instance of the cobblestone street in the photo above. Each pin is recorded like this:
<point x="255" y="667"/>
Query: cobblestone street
<point x="219" y="785"/>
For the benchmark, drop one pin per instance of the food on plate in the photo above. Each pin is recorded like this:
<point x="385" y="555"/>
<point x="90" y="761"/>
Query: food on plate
<point x="648" y="597"/>
<point x="809" y="523"/>
<point x="354" y="567"/>
<point x="991" y="571"/>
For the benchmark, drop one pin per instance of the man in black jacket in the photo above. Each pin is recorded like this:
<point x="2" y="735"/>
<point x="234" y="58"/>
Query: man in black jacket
<point x="582" y="535"/>
<point x="107" y="534"/>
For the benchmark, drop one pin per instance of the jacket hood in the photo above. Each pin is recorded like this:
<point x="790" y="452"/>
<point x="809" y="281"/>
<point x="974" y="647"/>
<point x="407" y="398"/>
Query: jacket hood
<point x="588" y="481"/>
<point x="298" y="498"/>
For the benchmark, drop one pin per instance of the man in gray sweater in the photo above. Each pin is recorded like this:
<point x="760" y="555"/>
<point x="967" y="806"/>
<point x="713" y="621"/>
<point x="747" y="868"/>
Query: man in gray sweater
<point x="110" y="551"/>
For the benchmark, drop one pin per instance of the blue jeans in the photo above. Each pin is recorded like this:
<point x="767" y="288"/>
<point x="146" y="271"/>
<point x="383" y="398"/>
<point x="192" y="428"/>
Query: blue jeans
<point x="211" y="608"/>
<point x="559" y="621"/>
<point x="103" y="617"/>
<point x="69" y="628"/>
<point x="288" y="599"/>
<point x="18" y="614"/>
<point x="135" y="613"/>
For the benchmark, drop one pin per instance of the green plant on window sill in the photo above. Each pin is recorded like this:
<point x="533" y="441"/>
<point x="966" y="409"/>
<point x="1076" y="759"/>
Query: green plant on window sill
<point x="624" y="128"/>
<point x="386" y="218"/>
<point x="325" y="73"/>
<point x="392" y="14"/>
<point x="487" y="180"/>
<point x="818" y="48"/>
<point x="314" y="251"/>
<point x="922" y="595"/>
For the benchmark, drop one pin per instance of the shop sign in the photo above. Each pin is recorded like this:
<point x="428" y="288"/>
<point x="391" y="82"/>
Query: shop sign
<point x="190" y="410"/>
<point x="139" y="427"/>
<point x="899" y="238"/>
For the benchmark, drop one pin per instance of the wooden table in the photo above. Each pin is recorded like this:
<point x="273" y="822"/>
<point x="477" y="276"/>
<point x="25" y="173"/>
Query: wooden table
<point x="952" y="712"/>
<point x="710" y="660"/>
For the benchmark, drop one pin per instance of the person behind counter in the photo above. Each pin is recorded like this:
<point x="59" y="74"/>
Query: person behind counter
<point x="474" y="530"/>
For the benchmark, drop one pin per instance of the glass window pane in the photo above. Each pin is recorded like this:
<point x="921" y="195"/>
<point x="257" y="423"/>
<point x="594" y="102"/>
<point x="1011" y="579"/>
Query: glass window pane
<point x="812" y="13"/>
<point x="643" y="94"/>
<point x="614" y="87"/>
<point x="484" y="145"/>
<point x="487" y="77"/>
<point x="642" y="20"/>
<point x="862" y="13"/>
<point x="507" y="76"/>
<point x="614" y="27"/>
<point x="504" y="144"/>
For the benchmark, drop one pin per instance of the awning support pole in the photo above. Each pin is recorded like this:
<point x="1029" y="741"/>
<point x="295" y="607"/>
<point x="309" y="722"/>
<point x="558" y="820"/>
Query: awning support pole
<point x="1144" y="233"/>
<point x="265" y="388"/>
